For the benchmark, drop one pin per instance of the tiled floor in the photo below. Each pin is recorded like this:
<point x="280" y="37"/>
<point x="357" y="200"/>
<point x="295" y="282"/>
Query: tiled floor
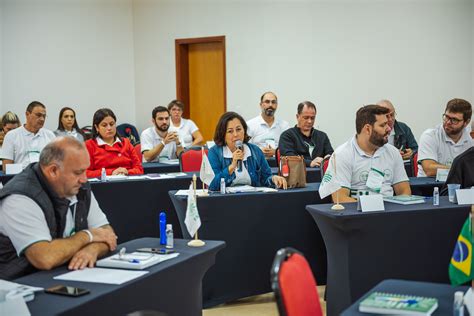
<point x="261" y="305"/>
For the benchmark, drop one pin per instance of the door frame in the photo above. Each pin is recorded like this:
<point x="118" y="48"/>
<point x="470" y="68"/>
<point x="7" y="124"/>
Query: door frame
<point x="182" y="68"/>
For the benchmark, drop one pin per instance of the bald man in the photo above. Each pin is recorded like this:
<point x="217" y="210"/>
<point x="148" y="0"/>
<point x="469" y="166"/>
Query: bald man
<point x="49" y="216"/>
<point x="401" y="135"/>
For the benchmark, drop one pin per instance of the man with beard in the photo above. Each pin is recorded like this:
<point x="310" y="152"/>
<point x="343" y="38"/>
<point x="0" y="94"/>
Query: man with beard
<point x="265" y="129"/>
<point x="24" y="144"/>
<point x="304" y="140"/>
<point x="366" y="164"/>
<point x="156" y="141"/>
<point x="440" y="145"/>
<point x="401" y="135"/>
<point x="49" y="216"/>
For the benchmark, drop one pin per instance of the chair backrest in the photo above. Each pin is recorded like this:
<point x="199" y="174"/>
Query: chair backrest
<point x="190" y="159"/>
<point x="138" y="150"/>
<point x="294" y="285"/>
<point x="324" y="165"/>
<point x="414" y="164"/>
<point x="277" y="158"/>
<point x="87" y="130"/>
<point x="129" y="131"/>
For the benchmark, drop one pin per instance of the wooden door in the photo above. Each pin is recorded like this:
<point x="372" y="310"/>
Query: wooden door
<point x="201" y="84"/>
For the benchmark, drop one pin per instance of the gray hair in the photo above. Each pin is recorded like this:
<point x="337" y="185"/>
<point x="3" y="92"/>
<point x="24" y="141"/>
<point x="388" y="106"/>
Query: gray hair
<point x="55" y="151"/>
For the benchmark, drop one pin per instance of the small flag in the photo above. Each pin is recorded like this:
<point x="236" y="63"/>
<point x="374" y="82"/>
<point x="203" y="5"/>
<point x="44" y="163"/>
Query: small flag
<point x="206" y="174"/>
<point x="329" y="183"/>
<point x="461" y="266"/>
<point x="192" y="220"/>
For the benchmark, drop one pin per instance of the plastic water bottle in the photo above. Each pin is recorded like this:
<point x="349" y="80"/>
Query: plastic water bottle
<point x="458" y="305"/>
<point x="103" y="175"/>
<point x="436" y="196"/>
<point x="222" y="186"/>
<point x="169" y="236"/>
<point x="163" y="228"/>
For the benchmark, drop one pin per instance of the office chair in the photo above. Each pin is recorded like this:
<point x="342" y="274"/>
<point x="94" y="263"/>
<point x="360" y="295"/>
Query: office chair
<point x="190" y="159"/>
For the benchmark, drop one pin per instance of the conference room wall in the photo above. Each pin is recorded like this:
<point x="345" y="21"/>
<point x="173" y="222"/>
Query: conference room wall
<point x="76" y="53"/>
<point x="1" y="54"/>
<point x="339" y="54"/>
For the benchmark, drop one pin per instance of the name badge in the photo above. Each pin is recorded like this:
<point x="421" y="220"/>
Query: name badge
<point x="371" y="203"/>
<point x="375" y="180"/>
<point x="33" y="156"/>
<point x="270" y="143"/>
<point x="464" y="196"/>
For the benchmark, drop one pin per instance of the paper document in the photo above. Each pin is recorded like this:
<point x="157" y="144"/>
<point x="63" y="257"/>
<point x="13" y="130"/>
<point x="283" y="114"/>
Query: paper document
<point x="93" y="180"/>
<point x="117" y="177"/>
<point x="134" y="260"/>
<point x="241" y="188"/>
<point x="199" y="192"/>
<point x="101" y="275"/>
<point x="169" y="161"/>
<point x="265" y="189"/>
<point x="16" y="290"/>
<point x="137" y="177"/>
<point x="176" y="174"/>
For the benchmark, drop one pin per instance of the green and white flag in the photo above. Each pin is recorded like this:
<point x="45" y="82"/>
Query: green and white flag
<point x="206" y="173"/>
<point x="192" y="220"/>
<point x="329" y="184"/>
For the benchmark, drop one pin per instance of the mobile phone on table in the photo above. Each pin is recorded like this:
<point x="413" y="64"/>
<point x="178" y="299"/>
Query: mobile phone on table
<point x="160" y="251"/>
<point x="67" y="290"/>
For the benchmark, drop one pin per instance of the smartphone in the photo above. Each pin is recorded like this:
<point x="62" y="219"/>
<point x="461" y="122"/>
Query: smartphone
<point x="66" y="290"/>
<point x="160" y="251"/>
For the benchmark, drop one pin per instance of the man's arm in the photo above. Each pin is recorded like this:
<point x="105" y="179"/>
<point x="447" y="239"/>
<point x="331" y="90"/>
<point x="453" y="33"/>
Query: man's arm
<point x="402" y="188"/>
<point x="344" y="196"/>
<point x="197" y="138"/>
<point x="45" y="255"/>
<point x="430" y="167"/>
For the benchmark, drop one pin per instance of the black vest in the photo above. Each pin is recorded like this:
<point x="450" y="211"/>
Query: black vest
<point x="32" y="183"/>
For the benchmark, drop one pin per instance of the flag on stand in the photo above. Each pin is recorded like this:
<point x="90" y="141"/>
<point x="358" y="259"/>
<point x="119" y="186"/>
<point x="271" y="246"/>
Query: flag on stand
<point x="329" y="183"/>
<point x="206" y="174"/>
<point x="461" y="266"/>
<point x="192" y="220"/>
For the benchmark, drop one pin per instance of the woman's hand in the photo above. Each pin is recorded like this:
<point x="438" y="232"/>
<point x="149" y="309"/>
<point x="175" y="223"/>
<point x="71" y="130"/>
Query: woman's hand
<point x="120" y="170"/>
<point x="280" y="182"/>
<point x="236" y="156"/>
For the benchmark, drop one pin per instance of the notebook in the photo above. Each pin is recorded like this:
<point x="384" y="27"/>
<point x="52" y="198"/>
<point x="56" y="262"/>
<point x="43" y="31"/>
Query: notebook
<point x="395" y="304"/>
<point x="134" y="260"/>
<point x="405" y="199"/>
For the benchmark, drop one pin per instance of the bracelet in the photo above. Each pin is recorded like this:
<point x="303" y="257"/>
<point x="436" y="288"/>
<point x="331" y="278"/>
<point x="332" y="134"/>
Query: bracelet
<point x="88" y="232"/>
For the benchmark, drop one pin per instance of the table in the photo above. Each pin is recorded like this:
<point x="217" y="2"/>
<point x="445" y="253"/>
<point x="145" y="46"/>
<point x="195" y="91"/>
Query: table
<point x="424" y="185"/>
<point x="133" y="206"/>
<point x="312" y="174"/>
<point x="412" y="242"/>
<point x="254" y="226"/>
<point x="172" y="287"/>
<point x="159" y="167"/>
<point x="443" y="292"/>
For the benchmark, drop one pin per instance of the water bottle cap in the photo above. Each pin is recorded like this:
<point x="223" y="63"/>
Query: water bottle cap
<point x="169" y="226"/>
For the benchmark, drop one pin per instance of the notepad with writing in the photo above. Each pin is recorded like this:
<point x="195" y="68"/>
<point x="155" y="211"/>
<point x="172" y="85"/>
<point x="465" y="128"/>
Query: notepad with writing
<point x="405" y="199"/>
<point x="396" y="304"/>
<point x="134" y="260"/>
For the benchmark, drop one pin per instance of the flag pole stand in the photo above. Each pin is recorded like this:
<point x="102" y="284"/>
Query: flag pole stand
<point x="337" y="206"/>
<point x="196" y="242"/>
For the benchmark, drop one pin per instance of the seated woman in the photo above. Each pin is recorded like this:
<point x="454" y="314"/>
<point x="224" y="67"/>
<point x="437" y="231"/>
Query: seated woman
<point x="188" y="133"/>
<point x="67" y="125"/>
<point x="224" y="157"/>
<point x="9" y="121"/>
<point x="108" y="150"/>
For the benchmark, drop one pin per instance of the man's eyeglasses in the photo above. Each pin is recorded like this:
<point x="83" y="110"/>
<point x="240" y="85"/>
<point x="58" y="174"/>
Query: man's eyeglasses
<point x="270" y="101"/>
<point x="39" y="115"/>
<point x="451" y="120"/>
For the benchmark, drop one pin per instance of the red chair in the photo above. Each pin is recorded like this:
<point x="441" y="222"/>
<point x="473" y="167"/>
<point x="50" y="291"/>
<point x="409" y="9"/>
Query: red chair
<point x="190" y="159"/>
<point x="277" y="158"/>
<point x="138" y="150"/>
<point x="414" y="164"/>
<point x="294" y="285"/>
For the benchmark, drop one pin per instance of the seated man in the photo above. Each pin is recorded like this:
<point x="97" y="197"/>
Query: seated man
<point x="304" y="140"/>
<point x="440" y="145"/>
<point x="366" y="164"/>
<point x="156" y="141"/>
<point x="265" y="129"/>
<point x="24" y="144"/>
<point x="49" y="216"/>
<point x="462" y="171"/>
<point x="401" y="136"/>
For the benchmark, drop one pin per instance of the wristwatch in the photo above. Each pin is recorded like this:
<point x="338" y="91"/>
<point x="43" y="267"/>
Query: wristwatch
<point x="163" y="143"/>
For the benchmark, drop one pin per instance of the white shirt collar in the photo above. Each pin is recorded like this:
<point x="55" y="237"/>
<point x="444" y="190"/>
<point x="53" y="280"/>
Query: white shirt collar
<point x="101" y="142"/>
<point x="362" y="153"/>
<point x="27" y="132"/>
<point x="465" y="137"/>
<point x="228" y="154"/>
<point x="261" y="121"/>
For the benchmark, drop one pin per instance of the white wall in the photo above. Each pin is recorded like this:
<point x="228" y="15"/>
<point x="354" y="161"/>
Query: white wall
<point x="339" y="54"/>
<point x="1" y="55"/>
<point x="75" y="53"/>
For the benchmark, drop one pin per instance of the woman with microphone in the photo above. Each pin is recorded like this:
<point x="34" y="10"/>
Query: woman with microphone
<point x="237" y="161"/>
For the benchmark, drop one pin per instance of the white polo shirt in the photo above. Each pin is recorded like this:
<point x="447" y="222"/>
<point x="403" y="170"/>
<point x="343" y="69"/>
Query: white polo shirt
<point x="353" y="166"/>
<point x="23" y="221"/>
<point x="436" y="145"/>
<point x="185" y="131"/>
<point x="24" y="147"/>
<point x="149" y="139"/>
<point x="260" y="132"/>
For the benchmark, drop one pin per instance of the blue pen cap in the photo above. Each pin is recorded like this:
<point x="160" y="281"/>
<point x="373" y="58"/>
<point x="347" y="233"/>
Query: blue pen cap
<point x="163" y="228"/>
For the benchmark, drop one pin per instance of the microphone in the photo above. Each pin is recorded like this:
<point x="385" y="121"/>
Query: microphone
<point x="239" y="145"/>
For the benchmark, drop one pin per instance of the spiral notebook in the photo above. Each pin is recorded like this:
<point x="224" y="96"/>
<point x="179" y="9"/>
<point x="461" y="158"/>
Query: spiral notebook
<point x="397" y="304"/>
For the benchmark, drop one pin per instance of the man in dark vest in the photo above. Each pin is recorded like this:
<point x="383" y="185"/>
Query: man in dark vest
<point x="49" y="216"/>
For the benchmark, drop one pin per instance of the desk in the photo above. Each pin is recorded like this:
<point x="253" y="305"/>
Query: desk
<point x="158" y="167"/>
<point x="443" y="292"/>
<point x="254" y="226"/>
<point x="172" y="287"/>
<point x="424" y="185"/>
<point x="412" y="242"/>
<point x="312" y="174"/>
<point x="133" y="206"/>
